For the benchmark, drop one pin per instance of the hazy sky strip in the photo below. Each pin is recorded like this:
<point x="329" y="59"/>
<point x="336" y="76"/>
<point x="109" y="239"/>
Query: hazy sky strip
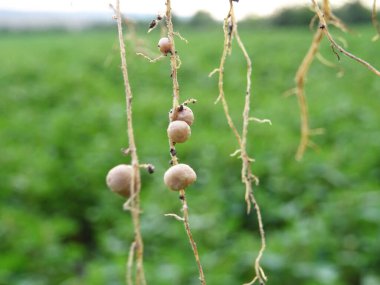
<point x="218" y="8"/>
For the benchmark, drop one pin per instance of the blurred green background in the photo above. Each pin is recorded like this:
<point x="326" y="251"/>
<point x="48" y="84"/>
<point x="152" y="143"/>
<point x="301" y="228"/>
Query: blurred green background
<point x="62" y="126"/>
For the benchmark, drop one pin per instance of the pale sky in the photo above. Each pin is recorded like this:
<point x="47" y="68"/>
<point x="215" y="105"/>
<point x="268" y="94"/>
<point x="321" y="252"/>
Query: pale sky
<point x="217" y="8"/>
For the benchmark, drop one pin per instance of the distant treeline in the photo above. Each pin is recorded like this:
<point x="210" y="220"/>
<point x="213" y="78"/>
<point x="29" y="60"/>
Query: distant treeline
<point x="351" y="13"/>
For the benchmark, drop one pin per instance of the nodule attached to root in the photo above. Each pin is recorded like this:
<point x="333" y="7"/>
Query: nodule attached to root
<point x="165" y="46"/>
<point x="119" y="179"/>
<point x="179" y="177"/>
<point x="179" y="131"/>
<point x="183" y="114"/>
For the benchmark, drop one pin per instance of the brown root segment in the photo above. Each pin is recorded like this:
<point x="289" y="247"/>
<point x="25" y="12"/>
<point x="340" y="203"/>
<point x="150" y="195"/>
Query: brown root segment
<point x="375" y="22"/>
<point x="137" y="248"/>
<point x="185" y="210"/>
<point x="325" y="17"/>
<point x="300" y="81"/>
<point x="129" y="268"/>
<point x="174" y="63"/>
<point x="230" y="31"/>
<point x="324" y="27"/>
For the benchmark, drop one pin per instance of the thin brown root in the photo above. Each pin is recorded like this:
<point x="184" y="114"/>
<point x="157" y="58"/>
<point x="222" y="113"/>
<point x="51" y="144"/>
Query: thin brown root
<point x="130" y="263"/>
<point x="179" y="36"/>
<point x="312" y="22"/>
<point x="127" y="206"/>
<point x="175" y="64"/>
<point x="178" y="62"/>
<point x="152" y="60"/>
<point x="375" y="22"/>
<point x="216" y="70"/>
<point x="236" y="152"/>
<point x="136" y="180"/>
<point x="324" y="28"/>
<point x="248" y="159"/>
<point x="300" y="81"/>
<point x="263" y="274"/>
<point x="261" y="121"/>
<point x="218" y="99"/>
<point x="324" y="61"/>
<point x="259" y="271"/>
<point x="255" y="179"/>
<point x="230" y="32"/>
<point x="335" y="21"/>
<point x="185" y="210"/>
<point x="290" y="92"/>
<point x="248" y="202"/>
<point x="178" y="218"/>
<point x="252" y="282"/>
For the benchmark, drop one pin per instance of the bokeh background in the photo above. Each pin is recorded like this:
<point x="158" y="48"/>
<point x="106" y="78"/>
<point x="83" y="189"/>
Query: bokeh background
<point x="63" y="123"/>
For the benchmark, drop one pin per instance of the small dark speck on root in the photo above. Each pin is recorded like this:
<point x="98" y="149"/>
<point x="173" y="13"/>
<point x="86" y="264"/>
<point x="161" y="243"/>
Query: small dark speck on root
<point x="173" y="152"/>
<point x="150" y="169"/>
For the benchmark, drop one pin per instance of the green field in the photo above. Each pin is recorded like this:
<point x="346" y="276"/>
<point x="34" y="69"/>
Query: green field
<point x="62" y="126"/>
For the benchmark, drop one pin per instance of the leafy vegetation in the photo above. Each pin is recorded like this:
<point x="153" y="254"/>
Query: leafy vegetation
<point x="63" y="125"/>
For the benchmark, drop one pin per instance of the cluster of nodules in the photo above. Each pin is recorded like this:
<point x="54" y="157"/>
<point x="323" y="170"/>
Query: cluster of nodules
<point x="178" y="176"/>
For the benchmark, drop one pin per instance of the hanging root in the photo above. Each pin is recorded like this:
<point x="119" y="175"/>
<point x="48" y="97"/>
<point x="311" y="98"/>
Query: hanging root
<point x="175" y="63"/>
<point x="325" y="17"/>
<point x="231" y="32"/>
<point x="375" y="22"/>
<point x="300" y="92"/>
<point x="137" y="248"/>
<point x="130" y="263"/>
